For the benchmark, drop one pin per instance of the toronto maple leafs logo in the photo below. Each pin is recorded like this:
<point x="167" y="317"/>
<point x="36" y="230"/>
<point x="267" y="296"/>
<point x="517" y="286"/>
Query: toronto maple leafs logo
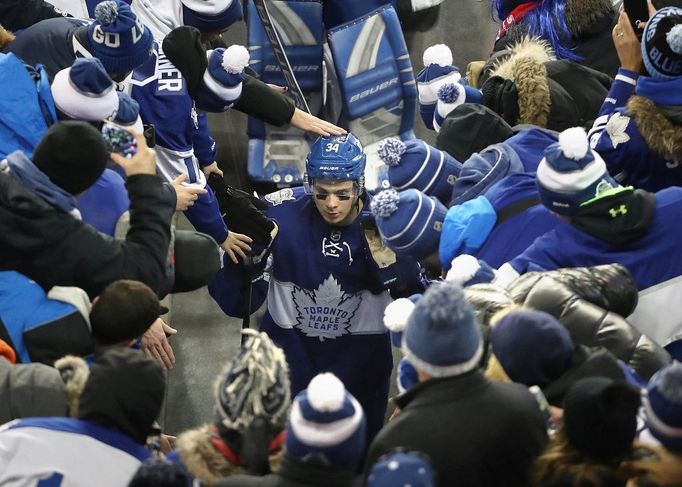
<point x="279" y="197"/>
<point x="327" y="311"/>
<point x="617" y="129"/>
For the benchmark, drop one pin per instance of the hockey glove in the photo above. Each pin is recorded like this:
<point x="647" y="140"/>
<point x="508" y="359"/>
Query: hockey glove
<point x="242" y="212"/>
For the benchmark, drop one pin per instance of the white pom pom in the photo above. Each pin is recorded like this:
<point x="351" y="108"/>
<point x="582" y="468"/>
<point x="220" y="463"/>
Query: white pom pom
<point x="439" y="54"/>
<point x="397" y="313"/>
<point x="674" y="38"/>
<point x="326" y="393"/>
<point x="235" y="59"/>
<point x="574" y="143"/>
<point x="463" y="268"/>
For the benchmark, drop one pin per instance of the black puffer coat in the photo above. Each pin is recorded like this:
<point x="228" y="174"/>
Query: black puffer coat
<point x="590" y="302"/>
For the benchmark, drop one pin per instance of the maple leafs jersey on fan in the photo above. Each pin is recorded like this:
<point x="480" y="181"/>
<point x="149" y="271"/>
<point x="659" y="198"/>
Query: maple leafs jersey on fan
<point x="617" y="138"/>
<point x="159" y="88"/>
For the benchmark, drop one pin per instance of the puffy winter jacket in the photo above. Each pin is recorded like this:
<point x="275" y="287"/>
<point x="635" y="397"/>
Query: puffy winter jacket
<point x="590" y="302"/>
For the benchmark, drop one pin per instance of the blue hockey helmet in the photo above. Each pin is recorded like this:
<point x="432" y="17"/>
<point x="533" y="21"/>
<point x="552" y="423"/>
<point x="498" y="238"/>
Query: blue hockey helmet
<point x="336" y="158"/>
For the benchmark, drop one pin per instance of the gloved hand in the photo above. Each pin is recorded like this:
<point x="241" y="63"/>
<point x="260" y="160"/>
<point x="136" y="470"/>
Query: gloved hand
<point x="242" y="212"/>
<point x="403" y="278"/>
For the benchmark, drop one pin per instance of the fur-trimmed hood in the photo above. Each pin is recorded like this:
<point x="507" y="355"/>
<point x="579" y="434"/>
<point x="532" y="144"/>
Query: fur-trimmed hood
<point x="660" y="134"/>
<point x="74" y="372"/>
<point x="206" y="463"/>
<point x="530" y="86"/>
<point x="525" y="66"/>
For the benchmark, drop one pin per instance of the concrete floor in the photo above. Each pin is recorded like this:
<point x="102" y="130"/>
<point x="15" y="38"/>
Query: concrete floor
<point x="207" y="338"/>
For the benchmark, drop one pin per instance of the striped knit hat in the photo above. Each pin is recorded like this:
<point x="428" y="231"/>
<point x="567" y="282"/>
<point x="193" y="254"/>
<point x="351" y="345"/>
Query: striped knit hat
<point x="327" y="424"/>
<point x="222" y="82"/>
<point x="450" y="96"/>
<point x="571" y="173"/>
<point x="438" y="70"/>
<point x="416" y="164"/>
<point x="409" y="222"/>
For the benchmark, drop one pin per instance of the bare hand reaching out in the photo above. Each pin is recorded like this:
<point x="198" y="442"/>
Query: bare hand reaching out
<point x="155" y="344"/>
<point x="310" y="123"/>
<point x="186" y="194"/>
<point x="235" y="245"/>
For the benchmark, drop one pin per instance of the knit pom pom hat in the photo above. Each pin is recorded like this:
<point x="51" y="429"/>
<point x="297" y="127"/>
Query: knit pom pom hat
<point x="118" y="38"/>
<point x="571" y="173"/>
<point x="327" y="424"/>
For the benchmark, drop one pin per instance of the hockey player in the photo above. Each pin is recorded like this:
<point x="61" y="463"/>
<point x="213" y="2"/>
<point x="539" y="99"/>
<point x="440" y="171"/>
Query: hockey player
<point x="329" y="279"/>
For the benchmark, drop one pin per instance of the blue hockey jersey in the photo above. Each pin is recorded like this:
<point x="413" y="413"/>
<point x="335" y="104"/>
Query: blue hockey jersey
<point x="326" y="298"/>
<point x="159" y="88"/>
<point x="618" y="139"/>
<point x="653" y="260"/>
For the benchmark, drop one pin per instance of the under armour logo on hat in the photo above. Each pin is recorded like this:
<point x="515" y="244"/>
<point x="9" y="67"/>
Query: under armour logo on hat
<point x="621" y="210"/>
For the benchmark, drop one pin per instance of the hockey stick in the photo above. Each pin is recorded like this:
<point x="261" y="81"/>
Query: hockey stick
<point x="248" y="290"/>
<point x="282" y="60"/>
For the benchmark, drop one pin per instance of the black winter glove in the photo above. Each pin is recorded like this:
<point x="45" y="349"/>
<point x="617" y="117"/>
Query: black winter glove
<point x="242" y="212"/>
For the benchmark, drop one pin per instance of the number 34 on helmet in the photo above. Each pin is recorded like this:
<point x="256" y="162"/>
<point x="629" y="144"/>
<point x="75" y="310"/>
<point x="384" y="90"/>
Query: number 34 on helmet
<point x="335" y="158"/>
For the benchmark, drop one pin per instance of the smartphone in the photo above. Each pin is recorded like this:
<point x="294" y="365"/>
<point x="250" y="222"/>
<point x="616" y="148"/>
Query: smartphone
<point x="637" y="10"/>
<point x="119" y="140"/>
<point x="543" y="405"/>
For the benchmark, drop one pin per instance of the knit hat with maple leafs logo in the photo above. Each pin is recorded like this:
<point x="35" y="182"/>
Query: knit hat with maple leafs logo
<point x="571" y="173"/>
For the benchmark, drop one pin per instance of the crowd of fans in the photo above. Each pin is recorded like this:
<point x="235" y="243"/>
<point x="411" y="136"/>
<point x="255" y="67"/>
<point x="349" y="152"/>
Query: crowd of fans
<point x="536" y="248"/>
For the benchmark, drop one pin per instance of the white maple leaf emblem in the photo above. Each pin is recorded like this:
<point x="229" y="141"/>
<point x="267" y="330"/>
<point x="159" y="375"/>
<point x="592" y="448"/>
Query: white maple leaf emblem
<point x="326" y="312"/>
<point x="616" y="128"/>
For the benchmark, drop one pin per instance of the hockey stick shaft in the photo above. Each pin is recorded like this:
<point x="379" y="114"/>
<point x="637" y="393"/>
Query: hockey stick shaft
<point x="282" y="59"/>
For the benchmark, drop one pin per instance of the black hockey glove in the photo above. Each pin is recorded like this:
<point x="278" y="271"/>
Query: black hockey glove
<point x="242" y="212"/>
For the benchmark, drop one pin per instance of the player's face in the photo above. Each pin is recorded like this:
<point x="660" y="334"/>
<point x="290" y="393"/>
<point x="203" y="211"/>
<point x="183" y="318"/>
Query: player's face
<point x="336" y="201"/>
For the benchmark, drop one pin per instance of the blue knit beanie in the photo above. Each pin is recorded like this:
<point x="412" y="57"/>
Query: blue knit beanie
<point x="438" y="70"/>
<point x="409" y="222"/>
<point x="84" y="91"/>
<point x="118" y="37"/>
<point x="450" y="96"/>
<point x="662" y="44"/>
<point x="402" y="469"/>
<point x="571" y="173"/>
<point x="532" y="346"/>
<point x="128" y="114"/>
<point x="416" y="164"/>
<point x="327" y="424"/>
<point x="211" y="15"/>
<point x="221" y="86"/>
<point x="663" y="407"/>
<point x="442" y="337"/>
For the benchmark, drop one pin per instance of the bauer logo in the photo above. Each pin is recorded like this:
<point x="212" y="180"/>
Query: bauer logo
<point x="374" y="89"/>
<point x="326" y="312"/>
<point x="295" y="69"/>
